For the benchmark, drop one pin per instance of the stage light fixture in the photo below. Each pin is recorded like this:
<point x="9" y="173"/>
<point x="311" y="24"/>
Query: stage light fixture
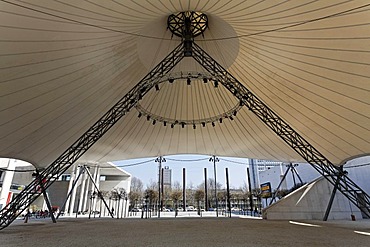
<point x="213" y="124"/>
<point x="231" y="118"/>
<point x="172" y="126"/>
<point x="165" y="123"/>
<point x="156" y="87"/>
<point x="216" y="83"/>
<point x="188" y="81"/>
<point x="203" y="124"/>
<point x="220" y="119"/>
<point x="235" y="113"/>
<point x="171" y="80"/>
<point x="154" y="122"/>
<point x="182" y="124"/>
<point x="205" y="80"/>
<point x="139" y="115"/>
<point x="194" y="126"/>
<point x="148" y="117"/>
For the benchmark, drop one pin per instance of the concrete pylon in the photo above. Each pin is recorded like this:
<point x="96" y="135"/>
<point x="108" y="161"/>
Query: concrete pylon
<point x="7" y="182"/>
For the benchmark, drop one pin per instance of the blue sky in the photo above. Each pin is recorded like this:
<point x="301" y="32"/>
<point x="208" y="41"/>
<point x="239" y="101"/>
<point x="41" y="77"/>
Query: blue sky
<point x="147" y="169"/>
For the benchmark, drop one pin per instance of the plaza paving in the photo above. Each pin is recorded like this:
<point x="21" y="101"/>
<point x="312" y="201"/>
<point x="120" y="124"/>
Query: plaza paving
<point x="184" y="231"/>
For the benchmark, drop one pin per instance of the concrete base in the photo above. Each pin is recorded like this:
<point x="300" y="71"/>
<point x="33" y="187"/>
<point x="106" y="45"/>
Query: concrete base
<point x="310" y="202"/>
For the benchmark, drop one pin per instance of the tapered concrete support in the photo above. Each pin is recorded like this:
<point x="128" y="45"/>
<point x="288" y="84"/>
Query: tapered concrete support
<point x="7" y="182"/>
<point x="82" y="193"/>
<point x="73" y="197"/>
<point x="97" y="183"/>
<point x="70" y="186"/>
<point x="86" y="195"/>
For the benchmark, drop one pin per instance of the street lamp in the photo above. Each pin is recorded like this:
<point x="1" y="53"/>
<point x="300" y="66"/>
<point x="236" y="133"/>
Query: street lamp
<point x="214" y="159"/>
<point x="160" y="159"/>
<point x="92" y="197"/>
<point x="146" y="206"/>
<point x="125" y="205"/>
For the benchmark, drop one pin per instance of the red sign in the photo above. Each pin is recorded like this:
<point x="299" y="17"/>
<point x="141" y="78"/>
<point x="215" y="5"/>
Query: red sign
<point x="9" y="197"/>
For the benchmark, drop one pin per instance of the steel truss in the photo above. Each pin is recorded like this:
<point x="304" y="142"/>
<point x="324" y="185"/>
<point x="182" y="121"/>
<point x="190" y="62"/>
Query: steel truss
<point x="46" y="177"/>
<point x="332" y="173"/>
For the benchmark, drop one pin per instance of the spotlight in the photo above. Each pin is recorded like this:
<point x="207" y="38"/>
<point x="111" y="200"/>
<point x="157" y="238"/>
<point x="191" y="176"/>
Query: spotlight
<point x="235" y="113"/>
<point x="182" y="124"/>
<point x="156" y="87"/>
<point x="171" y="80"/>
<point x="139" y="115"/>
<point x="203" y="124"/>
<point x="205" y="80"/>
<point x="231" y="118"/>
<point x="154" y="121"/>
<point x="194" y="127"/>
<point x="216" y="83"/>
<point x="213" y="124"/>
<point x="220" y="119"/>
<point x="148" y="117"/>
<point x="241" y="103"/>
<point x="172" y="126"/>
<point x="164" y="123"/>
<point x="188" y="81"/>
<point x="142" y="91"/>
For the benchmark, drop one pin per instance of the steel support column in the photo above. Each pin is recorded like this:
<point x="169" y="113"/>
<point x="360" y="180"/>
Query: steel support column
<point x="91" y="136"/>
<point x="281" y="128"/>
<point x="330" y="204"/>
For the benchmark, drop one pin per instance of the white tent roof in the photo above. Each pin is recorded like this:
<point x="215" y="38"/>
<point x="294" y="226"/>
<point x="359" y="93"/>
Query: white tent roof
<point x="63" y="64"/>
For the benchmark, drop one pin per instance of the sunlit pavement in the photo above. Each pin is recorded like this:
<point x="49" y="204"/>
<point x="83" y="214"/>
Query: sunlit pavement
<point x="185" y="231"/>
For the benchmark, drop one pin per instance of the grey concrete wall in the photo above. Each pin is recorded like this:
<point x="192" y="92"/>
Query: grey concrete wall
<point x="310" y="202"/>
<point x="57" y="193"/>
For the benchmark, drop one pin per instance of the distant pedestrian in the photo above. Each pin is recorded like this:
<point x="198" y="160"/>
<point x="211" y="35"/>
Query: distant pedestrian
<point x="28" y="214"/>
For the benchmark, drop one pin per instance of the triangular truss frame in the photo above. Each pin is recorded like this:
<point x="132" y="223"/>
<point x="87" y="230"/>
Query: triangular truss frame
<point x="187" y="48"/>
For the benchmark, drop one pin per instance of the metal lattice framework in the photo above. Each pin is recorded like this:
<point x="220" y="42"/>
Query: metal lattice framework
<point x="198" y="23"/>
<point x="181" y="76"/>
<point x="91" y="136"/>
<point x="345" y="185"/>
<point x="187" y="48"/>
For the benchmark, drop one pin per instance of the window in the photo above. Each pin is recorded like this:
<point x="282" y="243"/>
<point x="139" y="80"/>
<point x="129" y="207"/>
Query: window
<point x="65" y="177"/>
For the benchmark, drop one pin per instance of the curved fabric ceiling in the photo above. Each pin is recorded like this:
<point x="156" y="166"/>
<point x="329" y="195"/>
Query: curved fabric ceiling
<point x="63" y="64"/>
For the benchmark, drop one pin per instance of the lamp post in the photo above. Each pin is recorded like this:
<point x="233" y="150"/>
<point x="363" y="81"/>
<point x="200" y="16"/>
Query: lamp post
<point x="92" y="197"/>
<point x="160" y="159"/>
<point x="125" y="205"/>
<point x="214" y="159"/>
<point x="146" y="206"/>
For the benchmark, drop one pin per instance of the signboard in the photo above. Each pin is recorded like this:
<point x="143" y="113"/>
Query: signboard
<point x="266" y="190"/>
<point x="167" y="175"/>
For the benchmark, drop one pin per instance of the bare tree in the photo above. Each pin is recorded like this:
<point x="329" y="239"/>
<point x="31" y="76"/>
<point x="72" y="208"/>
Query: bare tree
<point x="152" y="185"/>
<point x="177" y="186"/>
<point x="199" y="196"/>
<point x="134" y="197"/>
<point x="211" y="189"/>
<point x="136" y="185"/>
<point x="176" y="195"/>
<point x="152" y="196"/>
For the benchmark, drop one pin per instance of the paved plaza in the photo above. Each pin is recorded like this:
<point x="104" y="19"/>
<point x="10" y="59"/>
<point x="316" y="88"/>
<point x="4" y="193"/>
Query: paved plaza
<point x="185" y="231"/>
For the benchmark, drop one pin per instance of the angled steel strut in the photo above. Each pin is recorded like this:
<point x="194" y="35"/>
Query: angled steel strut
<point x="46" y="177"/>
<point x="194" y="24"/>
<point x="332" y="173"/>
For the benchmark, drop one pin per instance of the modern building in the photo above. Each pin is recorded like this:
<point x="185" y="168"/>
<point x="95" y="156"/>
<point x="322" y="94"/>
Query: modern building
<point x="311" y="201"/>
<point x="14" y="176"/>
<point x="256" y="166"/>
<point x="112" y="181"/>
